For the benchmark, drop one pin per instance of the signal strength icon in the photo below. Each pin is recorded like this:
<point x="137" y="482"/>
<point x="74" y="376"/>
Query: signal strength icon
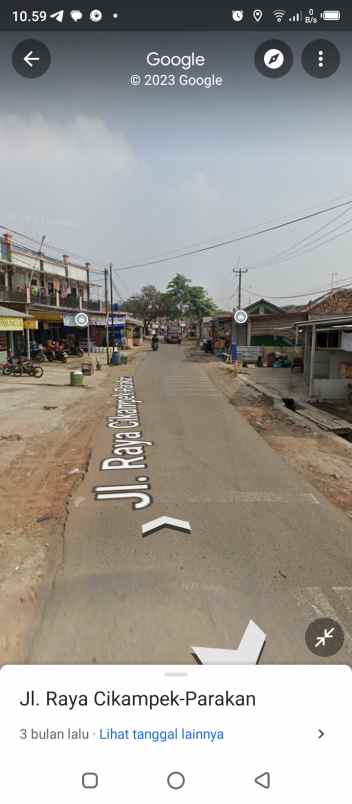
<point x="296" y="17"/>
<point x="279" y="14"/>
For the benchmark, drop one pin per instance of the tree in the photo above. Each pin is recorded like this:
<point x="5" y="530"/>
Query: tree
<point x="146" y="305"/>
<point x="199" y="303"/>
<point x="181" y="300"/>
<point x="187" y="300"/>
<point x="178" y="295"/>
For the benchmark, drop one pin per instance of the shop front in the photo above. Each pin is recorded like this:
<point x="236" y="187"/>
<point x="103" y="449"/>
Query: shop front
<point x="97" y="324"/>
<point x="12" y="332"/>
<point x="50" y="325"/>
<point x="79" y="335"/>
<point x="125" y="331"/>
<point x="133" y="332"/>
<point x="221" y="332"/>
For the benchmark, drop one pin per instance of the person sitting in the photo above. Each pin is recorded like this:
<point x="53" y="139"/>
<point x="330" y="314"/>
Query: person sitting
<point x="50" y="350"/>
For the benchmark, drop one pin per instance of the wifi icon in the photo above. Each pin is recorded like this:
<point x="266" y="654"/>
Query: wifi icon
<point x="279" y="14"/>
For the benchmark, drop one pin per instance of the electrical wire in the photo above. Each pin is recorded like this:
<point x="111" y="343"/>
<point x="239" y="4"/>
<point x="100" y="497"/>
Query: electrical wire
<point x="255" y="232"/>
<point x="277" y="258"/>
<point x="239" y="239"/>
<point x="346" y="284"/>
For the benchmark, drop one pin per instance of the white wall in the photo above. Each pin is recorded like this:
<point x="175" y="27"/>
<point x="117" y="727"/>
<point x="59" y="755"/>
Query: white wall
<point x="330" y="389"/>
<point x="77" y="273"/>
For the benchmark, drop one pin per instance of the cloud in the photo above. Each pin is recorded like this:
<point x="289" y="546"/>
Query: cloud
<point x="62" y="176"/>
<point x="85" y="141"/>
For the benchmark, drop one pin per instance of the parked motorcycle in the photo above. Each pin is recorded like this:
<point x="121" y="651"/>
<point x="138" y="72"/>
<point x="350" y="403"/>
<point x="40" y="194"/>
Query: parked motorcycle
<point x="207" y="346"/>
<point x="38" y="355"/>
<point x="21" y="368"/>
<point x="62" y="356"/>
<point x="74" y="351"/>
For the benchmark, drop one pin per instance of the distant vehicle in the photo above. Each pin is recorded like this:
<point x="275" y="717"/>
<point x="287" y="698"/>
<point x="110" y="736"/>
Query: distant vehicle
<point x="173" y="335"/>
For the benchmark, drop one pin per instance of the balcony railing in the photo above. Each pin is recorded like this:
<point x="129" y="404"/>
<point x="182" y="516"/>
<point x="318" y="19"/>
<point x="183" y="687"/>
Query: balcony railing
<point x="48" y="299"/>
<point x="13" y="295"/>
<point x="69" y="301"/>
<point x="92" y="304"/>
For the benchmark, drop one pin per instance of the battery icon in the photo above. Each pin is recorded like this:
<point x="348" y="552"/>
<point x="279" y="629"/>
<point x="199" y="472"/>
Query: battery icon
<point x="331" y="16"/>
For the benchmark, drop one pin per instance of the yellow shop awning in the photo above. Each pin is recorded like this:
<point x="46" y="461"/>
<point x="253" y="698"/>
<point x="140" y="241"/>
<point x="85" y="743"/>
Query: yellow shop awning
<point x="30" y="323"/>
<point x="46" y="315"/>
<point x="8" y="324"/>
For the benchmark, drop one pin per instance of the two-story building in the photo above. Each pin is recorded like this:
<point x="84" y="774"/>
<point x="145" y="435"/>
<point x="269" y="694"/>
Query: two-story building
<point x="50" y="290"/>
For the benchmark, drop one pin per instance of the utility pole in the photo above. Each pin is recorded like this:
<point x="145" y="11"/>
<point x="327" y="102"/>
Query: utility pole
<point x="333" y="279"/>
<point x="29" y="295"/>
<point x="239" y="272"/>
<point x="107" y="315"/>
<point x="111" y="308"/>
<point x="236" y="272"/>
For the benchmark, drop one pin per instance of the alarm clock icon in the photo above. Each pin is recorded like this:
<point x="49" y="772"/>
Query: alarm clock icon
<point x="237" y="15"/>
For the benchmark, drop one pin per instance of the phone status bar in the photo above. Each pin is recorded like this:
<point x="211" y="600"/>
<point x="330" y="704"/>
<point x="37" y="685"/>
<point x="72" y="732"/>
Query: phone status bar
<point x="139" y="16"/>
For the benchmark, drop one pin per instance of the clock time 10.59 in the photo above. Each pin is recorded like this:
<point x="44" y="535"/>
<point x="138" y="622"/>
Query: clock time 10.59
<point x="25" y="16"/>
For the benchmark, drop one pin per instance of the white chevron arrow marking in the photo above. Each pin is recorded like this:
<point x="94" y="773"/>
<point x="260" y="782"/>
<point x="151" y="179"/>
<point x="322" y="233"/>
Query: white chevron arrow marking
<point x="165" y="522"/>
<point x="248" y="652"/>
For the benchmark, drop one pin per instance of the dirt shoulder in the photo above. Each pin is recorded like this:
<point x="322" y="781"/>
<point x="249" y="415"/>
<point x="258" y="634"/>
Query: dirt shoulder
<point x="38" y="474"/>
<point x="325" y="460"/>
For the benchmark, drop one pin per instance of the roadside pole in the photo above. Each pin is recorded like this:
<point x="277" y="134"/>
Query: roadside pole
<point x="111" y="307"/>
<point x="233" y="328"/>
<point x="28" y="342"/>
<point x="312" y="360"/>
<point x="88" y="338"/>
<point x="107" y="316"/>
<point x="236" y="272"/>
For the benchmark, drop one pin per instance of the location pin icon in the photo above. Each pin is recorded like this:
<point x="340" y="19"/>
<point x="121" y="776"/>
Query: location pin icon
<point x="257" y="14"/>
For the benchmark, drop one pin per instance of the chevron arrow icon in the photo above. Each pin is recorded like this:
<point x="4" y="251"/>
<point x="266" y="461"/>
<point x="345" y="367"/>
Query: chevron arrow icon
<point x="166" y="522"/>
<point x="248" y="652"/>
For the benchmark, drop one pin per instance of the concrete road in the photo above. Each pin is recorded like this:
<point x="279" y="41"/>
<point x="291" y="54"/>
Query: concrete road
<point x="264" y="544"/>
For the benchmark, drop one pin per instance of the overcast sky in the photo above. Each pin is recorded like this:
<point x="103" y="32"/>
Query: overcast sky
<point x="123" y="174"/>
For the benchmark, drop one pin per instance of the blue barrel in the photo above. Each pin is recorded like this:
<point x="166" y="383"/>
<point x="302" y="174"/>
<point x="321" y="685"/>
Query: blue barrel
<point x="115" y="359"/>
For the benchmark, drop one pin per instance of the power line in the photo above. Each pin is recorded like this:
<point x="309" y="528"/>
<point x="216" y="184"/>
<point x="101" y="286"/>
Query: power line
<point x="346" y="283"/>
<point x="343" y="283"/>
<point x="325" y="242"/>
<point x="223" y="243"/>
<point x="290" y="252"/>
<point x="202" y="249"/>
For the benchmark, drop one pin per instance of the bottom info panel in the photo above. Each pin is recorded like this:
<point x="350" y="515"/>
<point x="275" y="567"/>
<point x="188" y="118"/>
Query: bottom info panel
<point x="175" y="733"/>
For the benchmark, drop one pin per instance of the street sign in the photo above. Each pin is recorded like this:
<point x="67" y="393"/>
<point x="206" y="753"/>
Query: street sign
<point x="240" y="317"/>
<point x="81" y="320"/>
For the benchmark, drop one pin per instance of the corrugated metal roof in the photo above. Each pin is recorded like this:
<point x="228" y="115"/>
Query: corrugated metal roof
<point x="6" y="312"/>
<point x="327" y="322"/>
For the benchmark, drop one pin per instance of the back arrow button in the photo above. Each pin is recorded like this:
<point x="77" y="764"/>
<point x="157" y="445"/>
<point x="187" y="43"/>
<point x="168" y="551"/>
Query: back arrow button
<point x="31" y="58"/>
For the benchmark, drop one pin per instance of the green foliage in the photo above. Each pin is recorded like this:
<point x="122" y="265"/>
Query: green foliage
<point x="182" y="300"/>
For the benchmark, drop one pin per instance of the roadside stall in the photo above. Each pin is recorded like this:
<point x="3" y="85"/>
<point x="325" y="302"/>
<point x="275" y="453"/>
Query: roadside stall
<point x="221" y="330"/>
<point x="13" y="328"/>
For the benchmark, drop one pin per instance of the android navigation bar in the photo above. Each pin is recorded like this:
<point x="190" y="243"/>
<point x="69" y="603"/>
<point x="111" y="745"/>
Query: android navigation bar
<point x="210" y="16"/>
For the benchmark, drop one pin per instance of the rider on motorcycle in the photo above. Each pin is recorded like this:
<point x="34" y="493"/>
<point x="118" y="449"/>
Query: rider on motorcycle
<point x="155" y="340"/>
